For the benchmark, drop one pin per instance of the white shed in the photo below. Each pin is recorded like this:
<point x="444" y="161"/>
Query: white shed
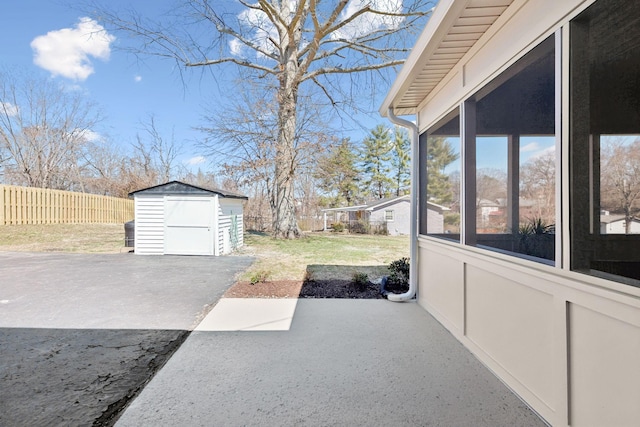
<point x="181" y="219"/>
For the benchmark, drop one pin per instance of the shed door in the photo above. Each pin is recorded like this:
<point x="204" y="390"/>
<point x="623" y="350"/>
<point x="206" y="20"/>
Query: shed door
<point x="188" y="226"/>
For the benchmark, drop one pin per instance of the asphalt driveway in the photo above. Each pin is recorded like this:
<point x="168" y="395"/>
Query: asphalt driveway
<point x="80" y="335"/>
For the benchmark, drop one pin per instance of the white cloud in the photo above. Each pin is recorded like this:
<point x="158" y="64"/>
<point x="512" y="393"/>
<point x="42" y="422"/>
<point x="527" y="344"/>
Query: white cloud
<point x="532" y="146"/>
<point x="368" y="22"/>
<point x="9" y="109"/>
<point x="137" y="79"/>
<point x="68" y="52"/>
<point x="236" y="46"/>
<point x="262" y="28"/>
<point x="197" y="160"/>
<point x="87" y="135"/>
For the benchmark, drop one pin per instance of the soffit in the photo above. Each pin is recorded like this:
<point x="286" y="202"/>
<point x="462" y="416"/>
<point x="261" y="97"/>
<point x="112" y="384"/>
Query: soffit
<point x="454" y="28"/>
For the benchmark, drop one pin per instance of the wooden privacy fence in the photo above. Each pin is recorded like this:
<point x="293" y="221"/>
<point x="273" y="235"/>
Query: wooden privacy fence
<point x="27" y="205"/>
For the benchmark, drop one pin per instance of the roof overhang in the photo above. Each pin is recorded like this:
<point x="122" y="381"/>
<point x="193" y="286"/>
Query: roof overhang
<point x="453" y="29"/>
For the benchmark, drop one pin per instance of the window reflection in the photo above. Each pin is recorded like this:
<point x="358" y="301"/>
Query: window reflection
<point x="619" y="184"/>
<point x="515" y="157"/>
<point x="440" y="179"/>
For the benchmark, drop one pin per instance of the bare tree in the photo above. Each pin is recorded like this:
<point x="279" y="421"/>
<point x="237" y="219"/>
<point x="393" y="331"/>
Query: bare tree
<point x="620" y="178"/>
<point x="243" y="142"/>
<point x="43" y="131"/>
<point x="159" y="151"/>
<point x="538" y="184"/>
<point x="289" y="43"/>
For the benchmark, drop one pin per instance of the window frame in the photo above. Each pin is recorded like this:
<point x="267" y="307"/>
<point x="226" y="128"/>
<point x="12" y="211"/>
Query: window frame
<point x="386" y="215"/>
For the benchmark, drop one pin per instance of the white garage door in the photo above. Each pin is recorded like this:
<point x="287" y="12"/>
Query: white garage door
<point x="188" y="226"/>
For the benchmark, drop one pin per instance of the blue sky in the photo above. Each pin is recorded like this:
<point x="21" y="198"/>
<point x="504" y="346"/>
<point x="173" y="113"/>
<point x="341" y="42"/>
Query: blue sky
<point x="127" y="90"/>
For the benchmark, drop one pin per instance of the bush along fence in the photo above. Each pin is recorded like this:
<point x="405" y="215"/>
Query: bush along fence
<point x="27" y="205"/>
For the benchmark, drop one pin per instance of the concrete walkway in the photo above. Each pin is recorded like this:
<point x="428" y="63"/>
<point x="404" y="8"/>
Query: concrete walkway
<point x="324" y="363"/>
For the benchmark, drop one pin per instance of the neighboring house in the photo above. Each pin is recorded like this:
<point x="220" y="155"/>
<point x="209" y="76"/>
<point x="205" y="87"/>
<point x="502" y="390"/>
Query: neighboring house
<point x="393" y="214"/>
<point x="181" y="219"/>
<point x="562" y="331"/>
<point x="616" y="224"/>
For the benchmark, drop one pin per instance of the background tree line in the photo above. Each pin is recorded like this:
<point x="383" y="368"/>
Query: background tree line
<point x="48" y="140"/>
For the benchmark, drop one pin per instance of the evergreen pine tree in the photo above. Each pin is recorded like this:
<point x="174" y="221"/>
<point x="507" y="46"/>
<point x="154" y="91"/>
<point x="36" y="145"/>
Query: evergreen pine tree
<point x="401" y="161"/>
<point x="439" y="155"/>
<point x="338" y="175"/>
<point x="376" y="157"/>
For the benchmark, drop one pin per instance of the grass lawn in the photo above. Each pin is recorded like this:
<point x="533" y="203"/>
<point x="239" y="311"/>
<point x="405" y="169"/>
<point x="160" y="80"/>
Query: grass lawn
<point x="333" y="255"/>
<point x="330" y="255"/>
<point x="81" y="238"/>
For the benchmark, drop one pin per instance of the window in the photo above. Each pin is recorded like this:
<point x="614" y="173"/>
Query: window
<point x="605" y="140"/>
<point x="388" y="215"/>
<point x="509" y="140"/>
<point x="440" y="179"/>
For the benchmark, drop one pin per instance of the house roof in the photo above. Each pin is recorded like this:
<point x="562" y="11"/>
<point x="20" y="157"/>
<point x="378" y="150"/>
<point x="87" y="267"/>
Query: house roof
<point x="376" y="204"/>
<point x="181" y="188"/>
<point x="370" y="205"/>
<point x="452" y="31"/>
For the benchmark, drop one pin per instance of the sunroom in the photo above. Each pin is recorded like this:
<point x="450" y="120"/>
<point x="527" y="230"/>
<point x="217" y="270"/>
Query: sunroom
<point x="537" y="104"/>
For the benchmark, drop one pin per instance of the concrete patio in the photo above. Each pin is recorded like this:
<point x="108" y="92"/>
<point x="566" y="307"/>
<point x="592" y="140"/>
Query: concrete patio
<point x="324" y="363"/>
<point x="79" y="332"/>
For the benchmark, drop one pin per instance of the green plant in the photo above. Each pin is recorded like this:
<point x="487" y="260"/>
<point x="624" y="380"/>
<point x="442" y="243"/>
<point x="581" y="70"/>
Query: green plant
<point x="360" y="281"/>
<point x="398" y="280"/>
<point x="536" y="238"/>
<point x="259" y="276"/>
<point x="535" y="226"/>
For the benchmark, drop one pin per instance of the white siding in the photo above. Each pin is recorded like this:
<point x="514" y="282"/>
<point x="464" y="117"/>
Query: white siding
<point x="523" y="25"/>
<point x="230" y="212"/>
<point x="566" y="342"/>
<point x="149" y="228"/>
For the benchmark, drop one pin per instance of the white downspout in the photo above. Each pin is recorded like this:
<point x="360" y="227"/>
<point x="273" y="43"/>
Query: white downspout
<point x="413" y="217"/>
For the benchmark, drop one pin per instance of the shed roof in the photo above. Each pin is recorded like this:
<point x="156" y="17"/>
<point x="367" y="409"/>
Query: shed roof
<point x="453" y="29"/>
<point x="181" y="188"/>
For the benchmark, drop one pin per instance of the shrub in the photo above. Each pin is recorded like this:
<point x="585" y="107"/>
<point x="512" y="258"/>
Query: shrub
<point x="259" y="276"/>
<point x="337" y="227"/>
<point x="381" y="229"/>
<point x="360" y="227"/>
<point x="398" y="280"/>
<point x="360" y="281"/>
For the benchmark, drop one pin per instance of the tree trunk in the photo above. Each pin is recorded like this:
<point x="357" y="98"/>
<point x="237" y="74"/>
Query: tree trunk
<point x="285" y="225"/>
<point x="283" y="205"/>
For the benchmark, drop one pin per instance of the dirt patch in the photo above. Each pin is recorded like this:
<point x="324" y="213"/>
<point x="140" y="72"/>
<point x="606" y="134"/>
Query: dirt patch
<point x="275" y="289"/>
<point x="322" y="281"/>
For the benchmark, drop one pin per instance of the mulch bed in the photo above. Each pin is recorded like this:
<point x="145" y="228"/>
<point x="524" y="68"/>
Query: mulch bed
<point x="333" y="288"/>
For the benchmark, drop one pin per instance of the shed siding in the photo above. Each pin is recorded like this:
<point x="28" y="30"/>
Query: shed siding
<point x="230" y="213"/>
<point x="149" y="228"/>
